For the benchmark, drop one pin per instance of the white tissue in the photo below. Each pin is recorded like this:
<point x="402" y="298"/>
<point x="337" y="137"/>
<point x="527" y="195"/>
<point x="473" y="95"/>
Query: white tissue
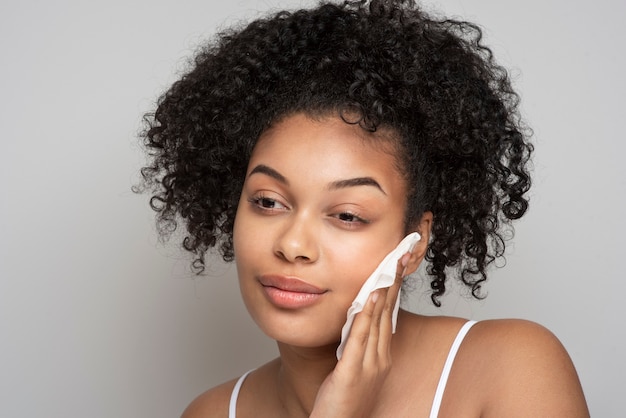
<point x="383" y="276"/>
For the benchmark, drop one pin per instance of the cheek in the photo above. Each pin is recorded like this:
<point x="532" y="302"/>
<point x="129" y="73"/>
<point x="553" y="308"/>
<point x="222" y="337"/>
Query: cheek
<point x="243" y="231"/>
<point x="243" y="241"/>
<point x="252" y="242"/>
<point x="237" y="238"/>
<point x="356" y="256"/>
<point x="354" y="262"/>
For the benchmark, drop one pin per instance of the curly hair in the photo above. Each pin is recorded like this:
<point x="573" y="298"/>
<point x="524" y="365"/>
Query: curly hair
<point x="463" y="145"/>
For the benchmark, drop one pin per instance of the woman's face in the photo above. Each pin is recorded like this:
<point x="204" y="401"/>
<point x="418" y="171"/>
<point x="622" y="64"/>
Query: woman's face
<point x="321" y="206"/>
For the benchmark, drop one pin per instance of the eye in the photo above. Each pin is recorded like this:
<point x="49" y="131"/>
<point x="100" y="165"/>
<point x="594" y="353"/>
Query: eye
<point x="350" y="219"/>
<point x="267" y="204"/>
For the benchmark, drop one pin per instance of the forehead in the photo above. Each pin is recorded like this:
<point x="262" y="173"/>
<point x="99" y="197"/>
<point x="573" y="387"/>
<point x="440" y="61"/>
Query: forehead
<point x="328" y="147"/>
<point x="328" y="135"/>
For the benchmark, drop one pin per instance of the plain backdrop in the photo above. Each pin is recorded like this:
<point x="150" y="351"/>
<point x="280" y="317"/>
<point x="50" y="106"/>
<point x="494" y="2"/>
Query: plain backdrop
<point x="99" y="319"/>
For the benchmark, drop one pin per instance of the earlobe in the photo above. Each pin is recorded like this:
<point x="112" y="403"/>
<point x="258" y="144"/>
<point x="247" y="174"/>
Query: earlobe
<point x="419" y="251"/>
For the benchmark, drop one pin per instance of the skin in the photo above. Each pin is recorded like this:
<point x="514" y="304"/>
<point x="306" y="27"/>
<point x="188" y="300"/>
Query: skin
<point x="303" y="215"/>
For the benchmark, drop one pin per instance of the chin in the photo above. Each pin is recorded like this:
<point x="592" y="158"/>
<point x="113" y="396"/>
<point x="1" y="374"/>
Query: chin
<point x="301" y="330"/>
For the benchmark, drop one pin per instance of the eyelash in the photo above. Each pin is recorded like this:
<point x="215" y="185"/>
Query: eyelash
<point x="356" y="218"/>
<point x="259" y="201"/>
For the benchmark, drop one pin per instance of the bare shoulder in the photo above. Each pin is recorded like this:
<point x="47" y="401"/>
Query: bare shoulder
<point x="524" y="370"/>
<point x="211" y="404"/>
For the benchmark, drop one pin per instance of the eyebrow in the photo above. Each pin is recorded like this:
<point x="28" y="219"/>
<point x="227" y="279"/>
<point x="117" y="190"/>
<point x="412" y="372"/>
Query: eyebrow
<point x="358" y="181"/>
<point x="335" y="185"/>
<point x="269" y="171"/>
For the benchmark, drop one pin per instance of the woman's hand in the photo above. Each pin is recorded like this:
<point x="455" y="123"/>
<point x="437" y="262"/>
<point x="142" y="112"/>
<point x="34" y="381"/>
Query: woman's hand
<point x="351" y="389"/>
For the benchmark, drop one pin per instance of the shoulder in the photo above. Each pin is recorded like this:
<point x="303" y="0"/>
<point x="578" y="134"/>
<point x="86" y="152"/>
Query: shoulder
<point x="522" y="367"/>
<point x="211" y="404"/>
<point x="518" y="344"/>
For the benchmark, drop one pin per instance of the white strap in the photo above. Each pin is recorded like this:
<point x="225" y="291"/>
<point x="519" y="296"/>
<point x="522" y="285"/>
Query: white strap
<point x="232" y="406"/>
<point x="443" y="380"/>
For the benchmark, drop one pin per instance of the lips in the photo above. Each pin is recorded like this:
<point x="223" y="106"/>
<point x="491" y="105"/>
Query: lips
<point x="289" y="292"/>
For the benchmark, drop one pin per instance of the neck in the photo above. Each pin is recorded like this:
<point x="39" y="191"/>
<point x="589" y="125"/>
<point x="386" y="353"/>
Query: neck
<point x="302" y="372"/>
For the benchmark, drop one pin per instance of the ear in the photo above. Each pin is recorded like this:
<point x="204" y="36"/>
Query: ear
<point x="419" y="251"/>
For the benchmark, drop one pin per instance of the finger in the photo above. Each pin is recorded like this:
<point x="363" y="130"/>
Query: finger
<point x="360" y="333"/>
<point x="399" y="278"/>
<point x="372" y="349"/>
<point x="386" y="327"/>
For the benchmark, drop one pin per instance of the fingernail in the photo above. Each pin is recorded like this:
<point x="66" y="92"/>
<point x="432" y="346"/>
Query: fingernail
<point x="405" y="259"/>
<point x="374" y="296"/>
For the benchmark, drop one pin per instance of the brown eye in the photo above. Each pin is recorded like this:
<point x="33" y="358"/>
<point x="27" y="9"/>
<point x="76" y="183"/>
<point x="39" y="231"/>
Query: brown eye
<point x="348" y="217"/>
<point x="267" y="203"/>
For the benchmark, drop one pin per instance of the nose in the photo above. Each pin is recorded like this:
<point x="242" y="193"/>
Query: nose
<point x="298" y="241"/>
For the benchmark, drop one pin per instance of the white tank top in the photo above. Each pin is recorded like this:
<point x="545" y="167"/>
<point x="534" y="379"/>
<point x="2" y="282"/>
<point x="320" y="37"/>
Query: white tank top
<point x="443" y="380"/>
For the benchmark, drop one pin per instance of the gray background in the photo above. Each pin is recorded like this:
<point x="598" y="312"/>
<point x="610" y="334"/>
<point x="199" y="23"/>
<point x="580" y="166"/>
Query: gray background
<point x="97" y="319"/>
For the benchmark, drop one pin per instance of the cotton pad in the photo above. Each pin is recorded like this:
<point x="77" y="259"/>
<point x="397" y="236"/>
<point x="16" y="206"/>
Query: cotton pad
<point x="383" y="276"/>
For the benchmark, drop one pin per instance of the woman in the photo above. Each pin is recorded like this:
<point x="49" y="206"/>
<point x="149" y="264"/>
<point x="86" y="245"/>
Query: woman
<point x="305" y="146"/>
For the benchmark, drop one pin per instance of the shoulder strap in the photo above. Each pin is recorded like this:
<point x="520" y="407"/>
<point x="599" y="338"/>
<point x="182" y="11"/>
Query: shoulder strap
<point x="232" y="406"/>
<point x="443" y="380"/>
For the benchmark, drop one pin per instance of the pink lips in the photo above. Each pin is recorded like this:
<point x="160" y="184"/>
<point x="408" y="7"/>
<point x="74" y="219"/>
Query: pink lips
<point x="289" y="292"/>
